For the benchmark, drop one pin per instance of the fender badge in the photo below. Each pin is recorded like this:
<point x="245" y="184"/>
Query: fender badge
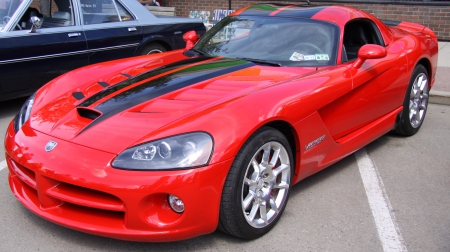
<point x="314" y="143"/>
<point x="50" y="146"/>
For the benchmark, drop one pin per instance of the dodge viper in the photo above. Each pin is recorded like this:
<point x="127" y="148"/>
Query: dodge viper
<point x="175" y="145"/>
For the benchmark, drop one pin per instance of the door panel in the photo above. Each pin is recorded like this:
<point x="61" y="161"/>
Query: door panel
<point x="29" y="60"/>
<point x="112" y="32"/>
<point x="378" y="88"/>
<point x="112" y="41"/>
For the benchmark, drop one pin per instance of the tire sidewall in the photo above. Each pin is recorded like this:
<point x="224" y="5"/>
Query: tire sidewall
<point x="241" y="163"/>
<point x="151" y="47"/>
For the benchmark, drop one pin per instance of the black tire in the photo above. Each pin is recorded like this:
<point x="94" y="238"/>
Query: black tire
<point x="152" y="48"/>
<point x="415" y="104"/>
<point x="269" y="186"/>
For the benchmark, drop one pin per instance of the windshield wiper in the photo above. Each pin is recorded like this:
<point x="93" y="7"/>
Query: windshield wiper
<point x="194" y="52"/>
<point x="200" y="52"/>
<point x="261" y="61"/>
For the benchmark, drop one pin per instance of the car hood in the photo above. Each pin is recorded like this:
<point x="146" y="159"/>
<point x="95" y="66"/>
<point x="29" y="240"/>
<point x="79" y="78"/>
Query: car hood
<point x="112" y="106"/>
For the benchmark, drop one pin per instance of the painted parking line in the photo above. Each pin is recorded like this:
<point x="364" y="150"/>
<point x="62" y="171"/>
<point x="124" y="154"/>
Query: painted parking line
<point x="2" y="165"/>
<point x="388" y="231"/>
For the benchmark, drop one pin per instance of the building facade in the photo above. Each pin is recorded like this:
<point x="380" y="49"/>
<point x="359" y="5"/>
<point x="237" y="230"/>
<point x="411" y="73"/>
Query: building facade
<point x="434" y="14"/>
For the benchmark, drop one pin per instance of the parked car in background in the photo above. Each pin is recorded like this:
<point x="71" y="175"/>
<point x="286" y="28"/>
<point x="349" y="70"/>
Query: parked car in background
<point x="68" y="34"/>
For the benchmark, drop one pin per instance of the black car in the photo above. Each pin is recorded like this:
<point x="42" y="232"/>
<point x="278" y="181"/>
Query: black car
<point x="42" y="39"/>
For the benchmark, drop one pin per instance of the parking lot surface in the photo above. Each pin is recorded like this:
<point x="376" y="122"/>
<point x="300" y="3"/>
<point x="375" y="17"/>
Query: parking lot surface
<point x="329" y="211"/>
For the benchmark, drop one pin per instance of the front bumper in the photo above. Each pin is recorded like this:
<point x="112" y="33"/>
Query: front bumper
<point x="76" y="187"/>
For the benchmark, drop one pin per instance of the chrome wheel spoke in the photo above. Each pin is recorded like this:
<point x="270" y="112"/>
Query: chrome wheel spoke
<point x="273" y="205"/>
<point x="255" y="166"/>
<point x="252" y="214"/>
<point x="422" y="83"/>
<point x="263" y="212"/>
<point x="280" y="169"/>
<point x="282" y="185"/>
<point x="275" y="156"/>
<point x="249" y="182"/>
<point x="248" y="200"/>
<point x="413" y="114"/>
<point x="266" y="155"/>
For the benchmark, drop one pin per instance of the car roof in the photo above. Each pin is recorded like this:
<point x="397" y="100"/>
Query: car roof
<point x="278" y="9"/>
<point x="336" y="14"/>
<point x="318" y="12"/>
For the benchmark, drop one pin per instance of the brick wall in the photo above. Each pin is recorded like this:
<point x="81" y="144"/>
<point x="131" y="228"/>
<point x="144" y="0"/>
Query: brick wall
<point x="435" y="17"/>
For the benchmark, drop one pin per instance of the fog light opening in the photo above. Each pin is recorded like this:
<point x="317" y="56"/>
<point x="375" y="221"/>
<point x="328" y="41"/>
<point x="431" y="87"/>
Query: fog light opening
<point x="176" y="203"/>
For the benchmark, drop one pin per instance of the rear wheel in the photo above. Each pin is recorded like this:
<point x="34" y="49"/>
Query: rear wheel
<point x="257" y="186"/>
<point x="415" y="104"/>
<point x="152" y="48"/>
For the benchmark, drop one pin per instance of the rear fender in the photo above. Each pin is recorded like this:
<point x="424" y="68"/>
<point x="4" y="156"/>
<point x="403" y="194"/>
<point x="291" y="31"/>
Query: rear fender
<point x="164" y="41"/>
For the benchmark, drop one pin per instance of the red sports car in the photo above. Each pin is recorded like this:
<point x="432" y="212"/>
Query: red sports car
<point x="175" y="145"/>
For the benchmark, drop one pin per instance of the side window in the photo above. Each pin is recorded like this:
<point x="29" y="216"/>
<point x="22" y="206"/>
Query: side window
<point x="52" y="13"/>
<point x="356" y="34"/>
<point x="99" y="11"/>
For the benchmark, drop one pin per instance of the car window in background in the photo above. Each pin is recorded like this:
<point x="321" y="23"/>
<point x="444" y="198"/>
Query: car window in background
<point x="7" y="10"/>
<point x="98" y="11"/>
<point x="60" y="16"/>
<point x="57" y="13"/>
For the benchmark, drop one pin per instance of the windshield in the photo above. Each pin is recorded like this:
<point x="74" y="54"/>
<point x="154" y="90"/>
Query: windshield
<point x="279" y="41"/>
<point x="7" y="10"/>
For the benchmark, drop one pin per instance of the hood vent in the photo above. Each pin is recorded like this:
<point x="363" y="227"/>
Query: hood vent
<point x="78" y="95"/>
<point x="103" y="84"/>
<point x="88" y="113"/>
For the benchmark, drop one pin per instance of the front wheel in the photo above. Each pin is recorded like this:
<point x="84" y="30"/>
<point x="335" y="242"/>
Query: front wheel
<point x="257" y="187"/>
<point x="415" y="104"/>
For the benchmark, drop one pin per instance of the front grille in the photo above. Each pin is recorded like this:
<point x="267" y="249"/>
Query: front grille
<point x="26" y="175"/>
<point x="64" y="199"/>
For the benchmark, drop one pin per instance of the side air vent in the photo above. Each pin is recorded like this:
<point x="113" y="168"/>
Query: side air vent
<point x="88" y="113"/>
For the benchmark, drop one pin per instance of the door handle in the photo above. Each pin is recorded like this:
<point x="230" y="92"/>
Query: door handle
<point x="132" y="29"/>
<point x="74" y="34"/>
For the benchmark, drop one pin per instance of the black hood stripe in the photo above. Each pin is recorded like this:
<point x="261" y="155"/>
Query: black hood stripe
<point x="283" y="10"/>
<point x="304" y="11"/>
<point x="154" y="72"/>
<point x="166" y="84"/>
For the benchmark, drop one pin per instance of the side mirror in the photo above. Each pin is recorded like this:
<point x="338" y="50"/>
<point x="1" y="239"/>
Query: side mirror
<point x="35" y="23"/>
<point x="190" y="37"/>
<point x="369" y="51"/>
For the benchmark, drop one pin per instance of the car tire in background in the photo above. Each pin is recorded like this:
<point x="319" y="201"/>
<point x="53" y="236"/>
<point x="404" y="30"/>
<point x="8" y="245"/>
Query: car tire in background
<point x="257" y="187"/>
<point x="152" y="48"/>
<point x="415" y="104"/>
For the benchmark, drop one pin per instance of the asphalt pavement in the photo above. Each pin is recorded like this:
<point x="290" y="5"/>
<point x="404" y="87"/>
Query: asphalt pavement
<point x="328" y="211"/>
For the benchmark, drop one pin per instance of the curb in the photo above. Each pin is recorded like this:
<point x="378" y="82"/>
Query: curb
<point x="2" y="165"/>
<point x="439" y="97"/>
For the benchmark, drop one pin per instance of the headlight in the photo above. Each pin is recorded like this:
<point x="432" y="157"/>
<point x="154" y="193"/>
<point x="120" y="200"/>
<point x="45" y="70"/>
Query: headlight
<point x="177" y="152"/>
<point x="24" y="113"/>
